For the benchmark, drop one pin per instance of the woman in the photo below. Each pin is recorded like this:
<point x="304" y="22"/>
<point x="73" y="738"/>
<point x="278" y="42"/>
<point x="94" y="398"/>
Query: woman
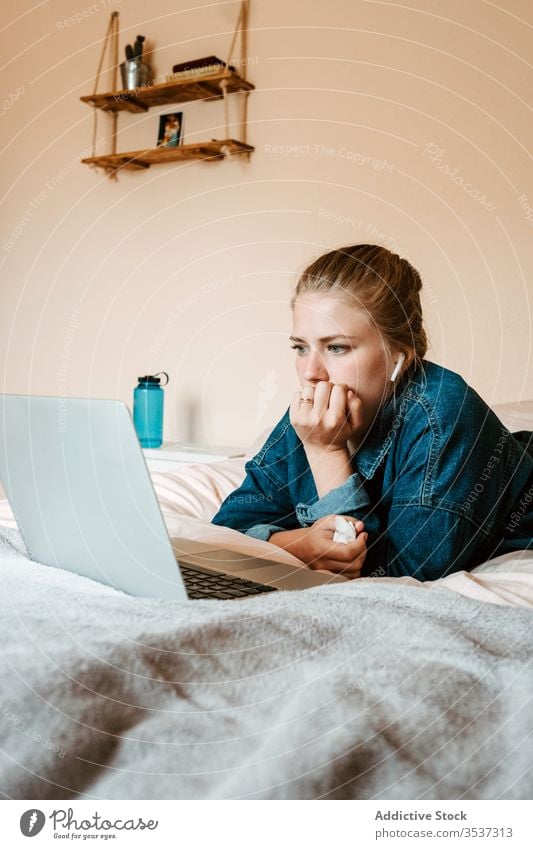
<point x="404" y="448"/>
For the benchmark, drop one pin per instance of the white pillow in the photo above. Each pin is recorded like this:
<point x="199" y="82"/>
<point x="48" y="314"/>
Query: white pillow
<point x="198" y="489"/>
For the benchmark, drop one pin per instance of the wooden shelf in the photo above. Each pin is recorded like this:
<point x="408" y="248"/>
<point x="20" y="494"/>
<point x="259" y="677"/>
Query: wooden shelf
<point x="140" y="159"/>
<point x="177" y="91"/>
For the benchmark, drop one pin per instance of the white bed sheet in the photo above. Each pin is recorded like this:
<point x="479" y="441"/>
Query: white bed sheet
<point x="191" y="496"/>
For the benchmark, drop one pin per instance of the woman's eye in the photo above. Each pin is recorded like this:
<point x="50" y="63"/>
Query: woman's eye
<point x="335" y="349"/>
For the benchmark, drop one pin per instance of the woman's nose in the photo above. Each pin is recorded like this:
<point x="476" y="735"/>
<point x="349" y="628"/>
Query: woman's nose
<point x="315" y="368"/>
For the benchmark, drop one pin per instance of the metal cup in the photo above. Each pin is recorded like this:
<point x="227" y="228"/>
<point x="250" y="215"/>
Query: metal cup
<point x="134" y="73"/>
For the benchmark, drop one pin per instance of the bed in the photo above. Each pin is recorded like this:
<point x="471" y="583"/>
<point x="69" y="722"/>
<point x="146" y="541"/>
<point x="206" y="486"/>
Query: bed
<point x="379" y="688"/>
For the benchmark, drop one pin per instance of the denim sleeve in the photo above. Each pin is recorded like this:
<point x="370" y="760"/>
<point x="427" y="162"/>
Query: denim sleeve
<point x="259" y="507"/>
<point x="264" y="532"/>
<point x="426" y="543"/>
<point x="348" y="498"/>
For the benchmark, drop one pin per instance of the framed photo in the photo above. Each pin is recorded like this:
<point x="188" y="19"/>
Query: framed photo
<point x="170" y="129"/>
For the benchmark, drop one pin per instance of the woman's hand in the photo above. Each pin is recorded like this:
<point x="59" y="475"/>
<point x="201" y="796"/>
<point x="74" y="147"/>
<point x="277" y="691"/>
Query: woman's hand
<point x="315" y="547"/>
<point x="334" y="417"/>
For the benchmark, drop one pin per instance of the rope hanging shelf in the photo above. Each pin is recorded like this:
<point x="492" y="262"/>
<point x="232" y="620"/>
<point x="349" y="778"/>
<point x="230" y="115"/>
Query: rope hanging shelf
<point x="215" y="86"/>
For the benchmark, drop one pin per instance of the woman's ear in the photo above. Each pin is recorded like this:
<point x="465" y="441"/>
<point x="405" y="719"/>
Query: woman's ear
<point x="408" y="357"/>
<point x="401" y="362"/>
<point x="398" y="364"/>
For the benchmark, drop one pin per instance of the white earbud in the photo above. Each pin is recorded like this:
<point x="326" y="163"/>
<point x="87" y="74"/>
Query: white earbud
<point x="397" y="367"/>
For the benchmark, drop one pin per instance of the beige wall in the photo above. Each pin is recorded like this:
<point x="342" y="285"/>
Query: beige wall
<point x="189" y="269"/>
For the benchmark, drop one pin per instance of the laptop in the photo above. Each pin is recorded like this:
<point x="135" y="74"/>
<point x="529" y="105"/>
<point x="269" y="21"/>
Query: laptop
<point x="81" y="493"/>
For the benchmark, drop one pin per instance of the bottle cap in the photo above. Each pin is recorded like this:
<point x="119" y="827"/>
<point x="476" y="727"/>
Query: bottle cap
<point x="153" y="378"/>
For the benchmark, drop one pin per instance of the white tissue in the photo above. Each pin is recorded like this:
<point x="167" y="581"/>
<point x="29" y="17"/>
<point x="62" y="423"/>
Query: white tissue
<point x="344" y="530"/>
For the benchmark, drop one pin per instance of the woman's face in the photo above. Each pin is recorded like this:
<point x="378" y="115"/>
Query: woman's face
<point x="336" y="341"/>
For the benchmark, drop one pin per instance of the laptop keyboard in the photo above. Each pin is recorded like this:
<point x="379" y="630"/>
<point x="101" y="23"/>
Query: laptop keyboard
<point x="203" y="583"/>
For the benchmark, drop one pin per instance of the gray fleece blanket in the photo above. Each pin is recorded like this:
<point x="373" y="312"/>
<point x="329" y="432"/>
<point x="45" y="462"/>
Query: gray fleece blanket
<point x="358" y="690"/>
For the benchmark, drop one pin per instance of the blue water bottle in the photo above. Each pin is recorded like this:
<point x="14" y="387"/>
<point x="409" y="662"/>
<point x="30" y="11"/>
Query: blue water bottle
<point x="148" y="404"/>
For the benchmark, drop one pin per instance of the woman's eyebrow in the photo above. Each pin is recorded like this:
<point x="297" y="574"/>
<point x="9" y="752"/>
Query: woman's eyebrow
<point x="324" y="338"/>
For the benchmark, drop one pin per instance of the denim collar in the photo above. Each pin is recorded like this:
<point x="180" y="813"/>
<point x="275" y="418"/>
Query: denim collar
<point x="379" y="439"/>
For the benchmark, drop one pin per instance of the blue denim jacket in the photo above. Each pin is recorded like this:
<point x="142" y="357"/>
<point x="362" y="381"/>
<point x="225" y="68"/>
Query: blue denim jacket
<point x="439" y="482"/>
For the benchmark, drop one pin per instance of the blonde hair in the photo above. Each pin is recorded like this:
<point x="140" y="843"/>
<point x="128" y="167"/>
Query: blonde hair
<point x="380" y="283"/>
